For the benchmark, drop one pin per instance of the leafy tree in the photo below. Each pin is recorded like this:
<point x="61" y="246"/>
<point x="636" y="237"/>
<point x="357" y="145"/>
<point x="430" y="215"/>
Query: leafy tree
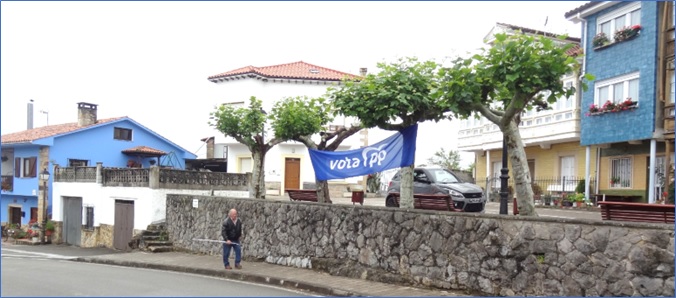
<point x="400" y="95"/>
<point x="517" y="73"/>
<point x="299" y="118"/>
<point x="246" y="125"/>
<point x="448" y="160"/>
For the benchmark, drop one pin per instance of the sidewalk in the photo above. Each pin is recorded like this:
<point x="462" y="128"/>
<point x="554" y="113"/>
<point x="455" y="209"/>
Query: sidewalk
<point x="260" y="272"/>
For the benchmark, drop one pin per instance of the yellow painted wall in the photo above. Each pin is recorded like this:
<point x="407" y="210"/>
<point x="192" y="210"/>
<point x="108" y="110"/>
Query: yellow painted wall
<point x="547" y="163"/>
<point x="639" y="164"/>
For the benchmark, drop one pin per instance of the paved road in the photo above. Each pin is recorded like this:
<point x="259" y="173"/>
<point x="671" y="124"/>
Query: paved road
<point x="26" y="273"/>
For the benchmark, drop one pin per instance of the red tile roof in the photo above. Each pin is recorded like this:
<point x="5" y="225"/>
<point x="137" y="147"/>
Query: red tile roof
<point x="575" y="51"/>
<point x="296" y="70"/>
<point x="47" y="131"/>
<point x="144" y="150"/>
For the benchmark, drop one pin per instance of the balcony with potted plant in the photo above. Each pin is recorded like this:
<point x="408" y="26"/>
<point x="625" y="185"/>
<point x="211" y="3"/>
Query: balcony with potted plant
<point x="602" y="41"/>
<point x="610" y="107"/>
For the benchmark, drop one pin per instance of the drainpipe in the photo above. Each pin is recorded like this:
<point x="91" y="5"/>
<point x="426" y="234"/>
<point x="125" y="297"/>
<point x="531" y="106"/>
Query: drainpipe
<point x="584" y="46"/>
<point x="587" y="176"/>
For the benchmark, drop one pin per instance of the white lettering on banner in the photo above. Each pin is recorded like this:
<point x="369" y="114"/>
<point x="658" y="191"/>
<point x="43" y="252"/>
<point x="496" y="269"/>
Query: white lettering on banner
<point x="376" y="157"/>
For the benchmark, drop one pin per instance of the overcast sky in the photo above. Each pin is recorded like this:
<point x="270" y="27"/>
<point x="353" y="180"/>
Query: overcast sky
<point x="150" y="60"/>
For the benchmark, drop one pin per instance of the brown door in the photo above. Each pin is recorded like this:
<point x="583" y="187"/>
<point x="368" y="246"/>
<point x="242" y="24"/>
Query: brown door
<point x="34" y="214"/>
<point x="292" y="173"/>
<point x="15" y="215"/>
<point x="124" y="224"/>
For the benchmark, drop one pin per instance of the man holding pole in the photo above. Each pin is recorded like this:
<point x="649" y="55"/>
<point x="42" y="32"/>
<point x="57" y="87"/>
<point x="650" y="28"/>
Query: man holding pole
<point x="231" y="231"/>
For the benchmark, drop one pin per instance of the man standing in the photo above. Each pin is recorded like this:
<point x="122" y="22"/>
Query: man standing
<point x="231" y="231"/>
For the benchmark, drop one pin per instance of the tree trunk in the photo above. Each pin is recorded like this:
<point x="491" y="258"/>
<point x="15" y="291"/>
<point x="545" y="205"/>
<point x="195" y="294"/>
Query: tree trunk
<point x="406" y="188"/>
<point x="258" y="176"/>
<point x="520" y="172"/>
<point x="323" y="191"/>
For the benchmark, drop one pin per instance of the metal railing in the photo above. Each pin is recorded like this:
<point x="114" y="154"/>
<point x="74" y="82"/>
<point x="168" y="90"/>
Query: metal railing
<point x="554" y="186"/>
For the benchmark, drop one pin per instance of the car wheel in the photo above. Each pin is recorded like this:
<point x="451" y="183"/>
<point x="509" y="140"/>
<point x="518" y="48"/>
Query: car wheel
<point x="389" y="202"/>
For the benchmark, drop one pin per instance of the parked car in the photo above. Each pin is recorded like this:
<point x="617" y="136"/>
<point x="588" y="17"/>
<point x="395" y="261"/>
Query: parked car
<point x="466" y="196"/>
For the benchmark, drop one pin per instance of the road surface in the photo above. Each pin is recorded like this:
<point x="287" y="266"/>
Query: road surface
<point x="30" y="273"/>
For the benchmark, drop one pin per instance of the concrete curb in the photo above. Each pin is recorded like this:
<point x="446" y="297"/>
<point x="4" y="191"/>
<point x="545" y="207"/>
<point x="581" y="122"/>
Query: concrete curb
<point x="234" y="275"/>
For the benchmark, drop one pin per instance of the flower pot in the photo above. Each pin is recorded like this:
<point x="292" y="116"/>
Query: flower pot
<point x="35" y="239"/>
<point x="48" y="233"/>
<point x="579" y="204"/>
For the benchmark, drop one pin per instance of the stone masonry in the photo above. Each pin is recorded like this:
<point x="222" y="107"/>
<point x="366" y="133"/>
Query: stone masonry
<point x="481" y="254"/>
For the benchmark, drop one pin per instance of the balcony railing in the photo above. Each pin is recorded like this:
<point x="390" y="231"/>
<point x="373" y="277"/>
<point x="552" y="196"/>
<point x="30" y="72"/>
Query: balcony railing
<point x="154" y="177"/>
<point x="7" y="183"/>
<point x="75" y="174"/>
<point x="533" y="129"/>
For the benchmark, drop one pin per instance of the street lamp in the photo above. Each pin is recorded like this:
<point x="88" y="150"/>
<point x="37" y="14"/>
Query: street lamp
<point x="44" y="176"/>
<point x="504" y="177"/>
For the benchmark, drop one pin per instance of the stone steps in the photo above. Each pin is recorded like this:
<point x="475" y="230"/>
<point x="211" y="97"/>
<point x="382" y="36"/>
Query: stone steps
<point x="155" y="239"/>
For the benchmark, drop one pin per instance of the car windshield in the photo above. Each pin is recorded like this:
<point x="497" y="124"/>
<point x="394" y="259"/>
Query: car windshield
<point x="443" y="176"/>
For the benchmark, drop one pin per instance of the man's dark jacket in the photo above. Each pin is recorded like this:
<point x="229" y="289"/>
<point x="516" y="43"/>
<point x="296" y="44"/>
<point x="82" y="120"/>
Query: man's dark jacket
<point x="230" y="230"/>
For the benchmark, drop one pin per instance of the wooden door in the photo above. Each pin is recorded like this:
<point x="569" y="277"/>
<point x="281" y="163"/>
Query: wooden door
<point x="15" y="215"/>
<point x="124" y="224"/>
<point x="292" y="173"/>
<point x="34" y="214"/>
<point x="72" y="221"/>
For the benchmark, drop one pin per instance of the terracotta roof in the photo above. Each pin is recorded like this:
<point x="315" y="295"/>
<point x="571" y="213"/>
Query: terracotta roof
<point x="30" y="135"/>
<point x="581" y="8"/>
<point x="575" y="51"/>
<point x="296" y="70"/>
<point x="144" y="150"/>
<point x="539" y="32"/>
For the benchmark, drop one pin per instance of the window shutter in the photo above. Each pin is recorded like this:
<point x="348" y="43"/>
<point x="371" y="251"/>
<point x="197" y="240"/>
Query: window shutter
<point x="32" y="167"/>
<point x="17" y="167"/>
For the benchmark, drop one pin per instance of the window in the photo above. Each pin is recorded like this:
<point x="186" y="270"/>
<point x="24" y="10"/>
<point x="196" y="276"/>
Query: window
<point x="77" y="163"/>
<point x="25" y="167"/>
<point x="564" y="103"/>
<point x="122" y="134"/>
<point x="617" y="89"/>
<point x="620" y="172"/>
<point x="89" y="217"/>
<point x="628" y="15"/>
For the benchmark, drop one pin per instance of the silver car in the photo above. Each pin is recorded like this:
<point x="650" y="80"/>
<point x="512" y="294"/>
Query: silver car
<point x="466" y="196"/>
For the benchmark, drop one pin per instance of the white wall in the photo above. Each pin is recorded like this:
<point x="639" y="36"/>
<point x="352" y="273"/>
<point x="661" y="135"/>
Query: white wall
<point x="270" y="92"/>
<point x="149" y="204"/>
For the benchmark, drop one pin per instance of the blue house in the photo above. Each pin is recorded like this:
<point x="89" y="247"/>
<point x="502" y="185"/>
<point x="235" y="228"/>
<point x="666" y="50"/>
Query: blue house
<point x="114" y="142"/>
<point x="628" y="109"/>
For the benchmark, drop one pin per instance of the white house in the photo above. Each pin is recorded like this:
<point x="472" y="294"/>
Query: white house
<point x="287" y="165"/>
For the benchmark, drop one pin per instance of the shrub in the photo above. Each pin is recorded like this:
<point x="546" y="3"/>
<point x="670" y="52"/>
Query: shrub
<point x="580" y="186"/>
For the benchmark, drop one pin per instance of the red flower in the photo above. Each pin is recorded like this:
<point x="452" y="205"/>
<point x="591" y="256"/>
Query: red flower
<point x="636" y="27"/>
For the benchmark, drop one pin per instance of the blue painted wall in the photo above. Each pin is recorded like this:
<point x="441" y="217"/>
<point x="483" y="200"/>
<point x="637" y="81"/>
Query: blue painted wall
<point x="98" y="145"/>
<point x="638" y="54"/>
<point x="94" y="144"/>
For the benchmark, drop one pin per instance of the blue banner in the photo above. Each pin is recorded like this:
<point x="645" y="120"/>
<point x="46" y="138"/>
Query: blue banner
<point x="394" y="152"/>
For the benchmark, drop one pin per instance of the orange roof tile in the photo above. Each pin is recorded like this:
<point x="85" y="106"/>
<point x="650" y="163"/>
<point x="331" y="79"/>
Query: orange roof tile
<point x="47" y="131"/>
<point x="144" y="150"/>
<point x="296" y="70"/>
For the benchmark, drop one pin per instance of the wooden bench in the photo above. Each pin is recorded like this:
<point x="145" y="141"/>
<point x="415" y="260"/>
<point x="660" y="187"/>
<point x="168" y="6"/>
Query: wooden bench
<point x="306" y="195"/>
<point x="639" y="212"/>
<point x="429" y="202"/>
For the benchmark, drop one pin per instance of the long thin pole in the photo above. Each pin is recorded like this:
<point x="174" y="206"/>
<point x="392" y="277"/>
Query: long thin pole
<point x="504" y="177"/>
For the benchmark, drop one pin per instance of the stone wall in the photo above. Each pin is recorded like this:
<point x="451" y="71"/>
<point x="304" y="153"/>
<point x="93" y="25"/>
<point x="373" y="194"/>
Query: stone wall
<point x="482" y="254"/>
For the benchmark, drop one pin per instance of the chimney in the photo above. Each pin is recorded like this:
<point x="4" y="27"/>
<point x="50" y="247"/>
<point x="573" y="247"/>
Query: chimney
<point x="210" y="146"/>
<point x="86" y="114"/>
<point x="363" y="71"/>
<point x="29" y="117"/>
